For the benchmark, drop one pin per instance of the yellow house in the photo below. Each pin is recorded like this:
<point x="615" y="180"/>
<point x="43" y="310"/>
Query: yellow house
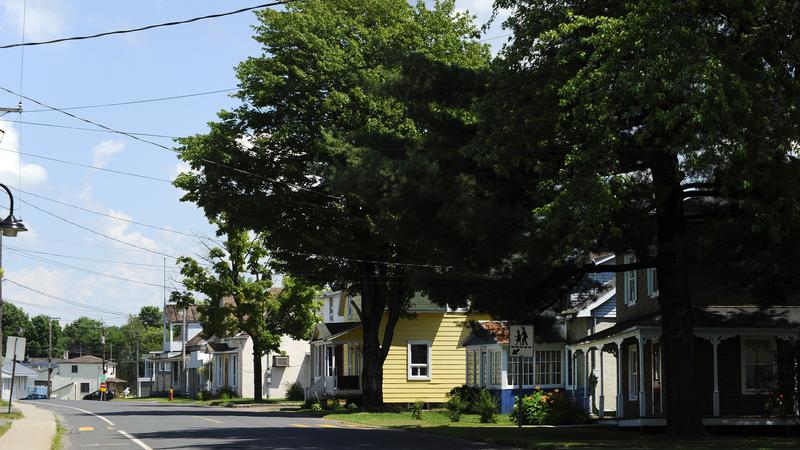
<point x="425" y="360"/>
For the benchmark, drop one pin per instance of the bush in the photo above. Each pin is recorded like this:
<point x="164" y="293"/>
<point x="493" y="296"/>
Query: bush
<point x="416" y="410"/>
<point x="316" y="407"/>
<point x="548" y="408"/>
<point x="295" y="391"/>
<point x="352" y="407"/>
<point x="487" y="407"/>
<point x="456" y="406"/>
<point x="470" y="395"/>
<point x="203" y="395"/>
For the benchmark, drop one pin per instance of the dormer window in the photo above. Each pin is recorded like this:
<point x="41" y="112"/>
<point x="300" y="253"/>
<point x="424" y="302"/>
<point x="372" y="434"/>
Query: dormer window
<point x="652" y="282"/>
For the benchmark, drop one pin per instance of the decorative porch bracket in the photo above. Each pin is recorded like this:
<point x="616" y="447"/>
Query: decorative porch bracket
<point x="715" y="340"/>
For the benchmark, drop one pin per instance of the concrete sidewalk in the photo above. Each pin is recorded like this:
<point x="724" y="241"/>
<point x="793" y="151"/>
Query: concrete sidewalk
<point x="34" y="431"/>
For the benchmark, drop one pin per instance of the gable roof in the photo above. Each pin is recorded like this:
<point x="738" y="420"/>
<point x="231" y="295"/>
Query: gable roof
<point x="489" y="332"/>
<point x="20" y="371"/>
<point x="87" y="359"/>
<point x="173" y="314"/>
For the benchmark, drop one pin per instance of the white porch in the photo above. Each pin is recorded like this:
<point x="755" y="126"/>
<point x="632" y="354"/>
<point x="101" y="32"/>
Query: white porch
<point x="336" y="369"/>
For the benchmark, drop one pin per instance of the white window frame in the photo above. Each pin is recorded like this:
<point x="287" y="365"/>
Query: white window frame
<point x="349" y="306"/>
<point x="630" y="281"/>
<point x="633" y="375"/>
<point x="408" y="360"/>
<point x="330" y="308"/>
<point x="773" y="350"/>
<point x="652" y="283"/>
<point x="234" y="359"/>
<point x="220" y="369"/>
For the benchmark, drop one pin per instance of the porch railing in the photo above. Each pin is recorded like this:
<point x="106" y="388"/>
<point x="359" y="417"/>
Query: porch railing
<point x="317" y="389"/>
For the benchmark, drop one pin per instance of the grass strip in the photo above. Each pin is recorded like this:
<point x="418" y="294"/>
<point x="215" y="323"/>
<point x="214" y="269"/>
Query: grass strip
<point x="60" y="430"/>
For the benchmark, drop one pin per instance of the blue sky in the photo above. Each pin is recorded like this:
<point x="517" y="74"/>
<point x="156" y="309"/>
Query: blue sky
<point x="171" y="61"/>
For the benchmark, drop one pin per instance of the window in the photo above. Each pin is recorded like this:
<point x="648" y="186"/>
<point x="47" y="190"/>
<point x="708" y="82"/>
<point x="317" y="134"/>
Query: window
<point x="166" y="367"/>
<point x="349" y="306"/>
<point x="495" y="368"/>
<point x="633" y="372"/>
<point x="234" y="370"/>
<point x="757" y="365"/>
<point x="74" y="369"/>
<point x="220" y="368"/>
<point x="330" y="309"/>
<point x="470" y="381"/>
<point x="547" y="367"/>
<point x="419" y="360"/>
<point x="630" y="292"/>
<point x="176" y="375"/>
<point x="652" y="283"/>
<point x="84" y="388"/>
<point x="342" y="301"/>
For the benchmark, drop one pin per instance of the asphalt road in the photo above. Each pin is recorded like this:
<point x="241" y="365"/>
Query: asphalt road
<point x="137" y="426"/>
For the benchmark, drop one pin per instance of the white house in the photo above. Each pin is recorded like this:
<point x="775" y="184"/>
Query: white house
<point x="76" y="377"/>
<point x="23" y="380"/>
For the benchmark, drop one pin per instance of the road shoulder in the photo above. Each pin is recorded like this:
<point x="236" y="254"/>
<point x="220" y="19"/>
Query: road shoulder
<point x="34" y="431"/>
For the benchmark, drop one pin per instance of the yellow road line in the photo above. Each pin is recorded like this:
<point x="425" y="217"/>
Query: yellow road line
<point x="85" y="428"/>
<point x="300" y="425"/>
<point x="327" y="425"/>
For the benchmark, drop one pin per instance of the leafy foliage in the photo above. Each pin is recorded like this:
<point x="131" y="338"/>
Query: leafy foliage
<point x="294" y="391"/>
<point x="455" y="407"/>
<point x="486" y="406"/>
<point x="416" y="410"/>
<point x="548" y="408"/>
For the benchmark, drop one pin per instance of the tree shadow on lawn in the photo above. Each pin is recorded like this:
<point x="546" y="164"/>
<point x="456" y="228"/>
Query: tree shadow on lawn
<point x="599" y="437"/>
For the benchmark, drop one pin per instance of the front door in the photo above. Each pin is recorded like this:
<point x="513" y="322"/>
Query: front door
<point x="657" y="408"/>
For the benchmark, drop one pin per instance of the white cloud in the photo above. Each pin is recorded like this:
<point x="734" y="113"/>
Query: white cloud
<point x="118" y="229"/>
<point x="43" y="18"/>
<point x="179" y="168"/>
<point x="105" y="150"/>
<point x="32" y="174"/>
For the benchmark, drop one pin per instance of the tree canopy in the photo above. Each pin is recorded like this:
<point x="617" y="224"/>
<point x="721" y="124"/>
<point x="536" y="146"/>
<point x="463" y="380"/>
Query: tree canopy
<point x="341" y="151"/>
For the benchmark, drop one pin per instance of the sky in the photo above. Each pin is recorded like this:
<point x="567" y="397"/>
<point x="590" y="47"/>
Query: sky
<point x="82" y="246"/>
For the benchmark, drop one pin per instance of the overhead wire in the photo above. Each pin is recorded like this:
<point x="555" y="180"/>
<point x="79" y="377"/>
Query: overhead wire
<point x="96" y="130"/>
<point x="147" y="27"/>
<point x="71" y="302"/>
<point x="156" y="144"/>
<point x="135" y="102"/>
<point x="136" y="265"/>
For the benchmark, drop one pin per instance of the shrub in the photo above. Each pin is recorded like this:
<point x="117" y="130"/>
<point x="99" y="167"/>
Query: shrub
<point x="416" y="410"/>
<point x="456" y="406"/>
<point x="295" y="391"/>
<point x="470" y="395"/>
<point x="316" y="407"/>
<point x="203" y="395"/>
<point x="487" y="407"/>
<point x="352" y="406"/>
<point x="548" y="408"/>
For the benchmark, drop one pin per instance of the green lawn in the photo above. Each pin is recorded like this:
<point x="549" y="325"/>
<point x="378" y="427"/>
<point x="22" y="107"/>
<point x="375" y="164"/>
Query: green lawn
<point x="506" y="433"/>
<point x="4" y="427"/>
<point x="60" y="431"/>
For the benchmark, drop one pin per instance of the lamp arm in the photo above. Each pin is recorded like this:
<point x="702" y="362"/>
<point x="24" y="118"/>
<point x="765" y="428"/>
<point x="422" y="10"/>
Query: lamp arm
<point x="10" y="198"/>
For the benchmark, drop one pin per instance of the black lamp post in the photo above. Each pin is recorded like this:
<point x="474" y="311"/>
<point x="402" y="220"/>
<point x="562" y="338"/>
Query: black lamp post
<point x="10" y="227"/>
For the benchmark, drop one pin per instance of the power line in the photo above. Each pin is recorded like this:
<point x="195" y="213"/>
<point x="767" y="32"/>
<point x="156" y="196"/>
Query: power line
<point x="71" y="302"/>
<point x="121" y="219"/>
<point x="47" y="307"/>
<point x="82" y="269"/>
<point x="148" y="27"/>
<point x="135" y="102"/>
<point x="87" y="166"/>
<point x="52" y="125"/>
<point x="157" y="267"/>
<point x="121" y="241"/>
<point x="156" y="144"/>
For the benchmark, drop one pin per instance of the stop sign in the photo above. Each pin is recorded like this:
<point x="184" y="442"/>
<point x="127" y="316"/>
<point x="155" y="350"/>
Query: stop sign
<point x="103" y="387"/>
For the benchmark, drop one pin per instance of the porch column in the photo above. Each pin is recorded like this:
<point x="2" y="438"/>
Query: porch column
<point x="715" y="344"/>
<point x="642" y="400"/>
<point x="602" y="403"/>
<point x="575" y="374"/>
<point x="586" y="402"/>
<point x="620" y="400"/>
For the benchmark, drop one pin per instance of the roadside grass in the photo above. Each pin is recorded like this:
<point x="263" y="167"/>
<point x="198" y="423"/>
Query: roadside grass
<point x="504" y="432"/>
<point x="6" y="418"/>
<point x="213" y="402"/>
<point x="60" y="431"/>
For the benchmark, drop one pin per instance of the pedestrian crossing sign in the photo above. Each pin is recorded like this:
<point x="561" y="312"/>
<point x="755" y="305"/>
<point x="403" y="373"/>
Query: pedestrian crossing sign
<point x="520" y="340"/>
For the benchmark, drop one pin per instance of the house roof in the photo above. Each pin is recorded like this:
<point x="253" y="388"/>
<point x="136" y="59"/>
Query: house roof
<point x="20" y="371"/>
<point x="195" y="342"/>
<point x="115" y="380"/>
<point x="489" y="332"/>
<point x="87" y="359"/>
<point x="727" y="317"/>
<point x="220" y="347"/>
<point x="330" y="331"/>
<point x="173" y="314"/>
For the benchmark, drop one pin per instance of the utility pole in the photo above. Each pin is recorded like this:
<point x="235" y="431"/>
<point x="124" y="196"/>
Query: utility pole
<point x="138" y="394"/>
<point x="50" y="355"/>
<point x="184" y="335"/>
<point x="102" y="376"/>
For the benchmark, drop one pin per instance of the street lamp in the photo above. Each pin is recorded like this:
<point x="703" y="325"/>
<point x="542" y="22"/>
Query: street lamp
<point x="10" y="226"/>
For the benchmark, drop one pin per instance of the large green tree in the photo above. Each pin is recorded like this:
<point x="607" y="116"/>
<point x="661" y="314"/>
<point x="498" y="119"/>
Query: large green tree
<point x="83" y="335"/>
<point x="341" y="150"/>
<point x="236" y="297"/>
<point x="15" y="322"/>
<point x="151" y="316"/>
<point x="608" y="118"/>
<point x="38" y="337"/>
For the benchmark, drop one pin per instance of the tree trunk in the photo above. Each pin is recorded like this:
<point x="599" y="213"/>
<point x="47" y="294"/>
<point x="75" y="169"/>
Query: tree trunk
<point x="680" y="390"/>
<point x="375" y="297"/>
<point x="257" y="375"/>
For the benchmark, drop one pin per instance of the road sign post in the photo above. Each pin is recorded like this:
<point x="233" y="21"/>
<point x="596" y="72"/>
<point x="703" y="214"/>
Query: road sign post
<point x="520" y="341"/>
<point x="15" y="348"/>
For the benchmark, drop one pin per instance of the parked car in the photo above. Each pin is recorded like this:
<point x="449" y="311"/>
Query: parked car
<point x="96" y="395"/>
<point x="35" y="397"/>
